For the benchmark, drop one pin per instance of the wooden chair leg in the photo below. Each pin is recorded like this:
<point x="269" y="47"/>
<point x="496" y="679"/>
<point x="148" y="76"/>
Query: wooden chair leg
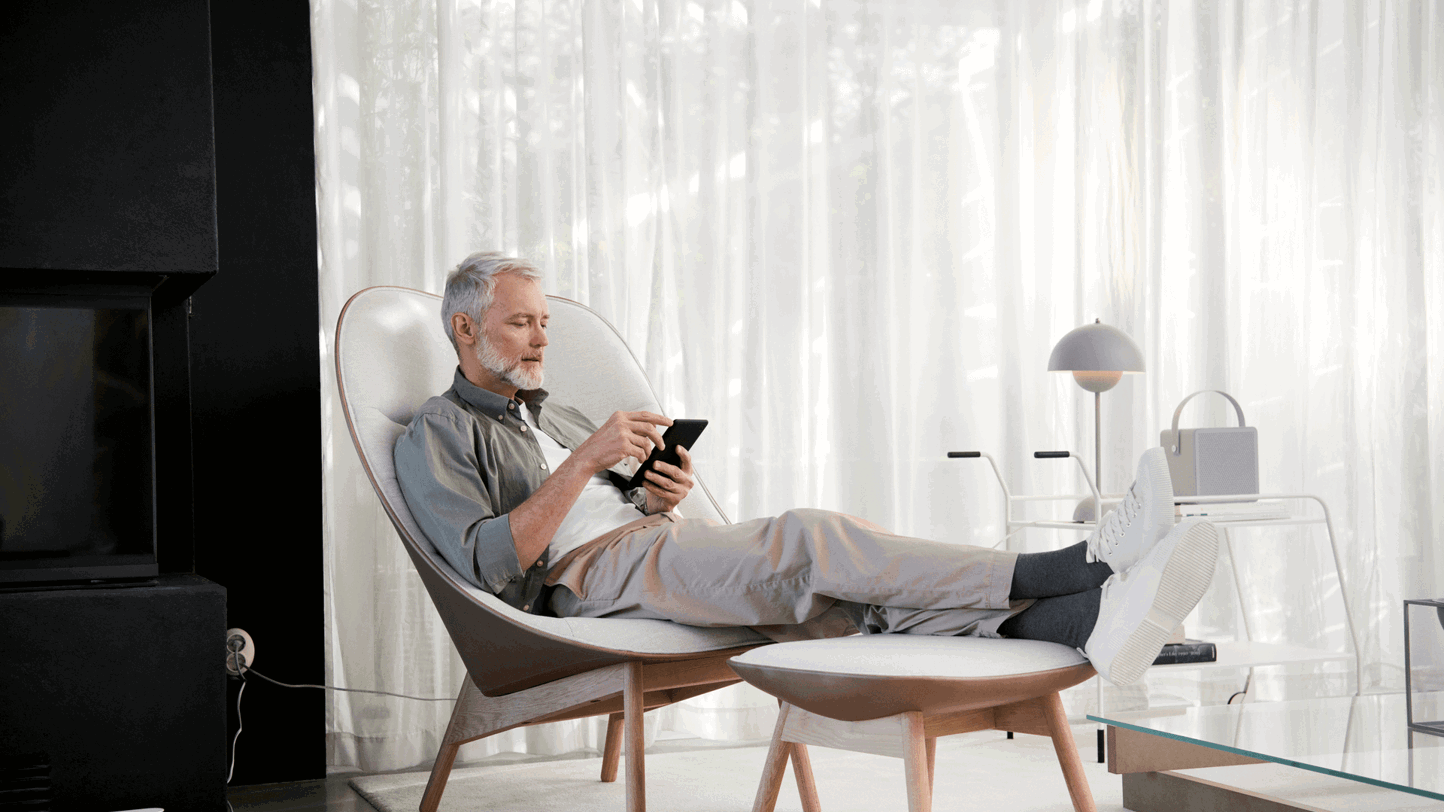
<point x="612" y="748"/>
<point x="802" y="771"/>
<point x="915" y="763"/>
<point x="450" y="745"/>
<point x="632" y="713"/>
<point x="1067" y="750"/>
<point x="776" y="764"/>
<point x="440" y="771"/>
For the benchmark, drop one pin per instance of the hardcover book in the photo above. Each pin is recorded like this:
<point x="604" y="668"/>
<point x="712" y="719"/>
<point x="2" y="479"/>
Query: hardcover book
<point x="1189" y="651"/>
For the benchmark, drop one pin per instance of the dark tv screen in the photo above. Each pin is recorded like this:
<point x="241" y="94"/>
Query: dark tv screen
<point x="77" y="463"/>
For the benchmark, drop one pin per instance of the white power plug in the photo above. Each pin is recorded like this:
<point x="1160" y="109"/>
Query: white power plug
<point x="240" y="651"/>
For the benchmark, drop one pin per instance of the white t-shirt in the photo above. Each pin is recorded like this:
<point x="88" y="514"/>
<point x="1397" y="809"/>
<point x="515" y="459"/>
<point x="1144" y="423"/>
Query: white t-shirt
<point x="601" y="507"/>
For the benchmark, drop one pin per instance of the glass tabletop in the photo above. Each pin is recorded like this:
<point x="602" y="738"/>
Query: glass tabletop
<point x="1363" y="738"/>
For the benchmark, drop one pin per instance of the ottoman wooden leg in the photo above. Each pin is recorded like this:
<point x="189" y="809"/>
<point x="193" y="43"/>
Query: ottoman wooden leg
<point x="802" y="771"/>
<point x="1067" y="750"/>
<point x="771" y="785"/>
<point x="915" y="763"/>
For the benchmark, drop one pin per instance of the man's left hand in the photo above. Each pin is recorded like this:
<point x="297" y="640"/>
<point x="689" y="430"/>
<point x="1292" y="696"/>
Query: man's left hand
<point x="667" y="484"/>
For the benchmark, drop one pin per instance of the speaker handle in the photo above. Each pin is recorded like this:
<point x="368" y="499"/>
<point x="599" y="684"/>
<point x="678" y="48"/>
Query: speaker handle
<point x="1179" y="411"/>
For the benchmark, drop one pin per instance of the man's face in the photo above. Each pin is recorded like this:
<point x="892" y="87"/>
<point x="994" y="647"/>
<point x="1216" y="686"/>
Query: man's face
<point x="513" y="332"/>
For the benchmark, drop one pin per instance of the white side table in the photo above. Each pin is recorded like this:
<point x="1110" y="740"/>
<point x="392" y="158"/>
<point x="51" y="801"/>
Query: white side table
<point x="1231" y="654"/>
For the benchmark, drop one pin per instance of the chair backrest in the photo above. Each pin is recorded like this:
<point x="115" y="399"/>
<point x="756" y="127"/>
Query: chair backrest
<point x="391" y="355"/>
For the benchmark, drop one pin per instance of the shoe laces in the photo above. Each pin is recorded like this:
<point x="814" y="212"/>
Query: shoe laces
<point x="1118" y="522"/>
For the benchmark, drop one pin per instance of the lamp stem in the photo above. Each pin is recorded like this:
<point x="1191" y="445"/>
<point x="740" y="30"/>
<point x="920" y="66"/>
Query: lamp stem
<point x="1098" y="452"/>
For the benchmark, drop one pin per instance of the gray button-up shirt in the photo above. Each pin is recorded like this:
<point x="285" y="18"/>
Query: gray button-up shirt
<point x="466" y="461"/>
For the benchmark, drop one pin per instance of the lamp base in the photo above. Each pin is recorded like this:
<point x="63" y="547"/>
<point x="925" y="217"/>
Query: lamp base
<point x="1083" y="511"/>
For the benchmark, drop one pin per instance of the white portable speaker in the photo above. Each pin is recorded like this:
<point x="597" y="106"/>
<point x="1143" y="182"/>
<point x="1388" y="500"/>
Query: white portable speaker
<point x="1212" y="461"/>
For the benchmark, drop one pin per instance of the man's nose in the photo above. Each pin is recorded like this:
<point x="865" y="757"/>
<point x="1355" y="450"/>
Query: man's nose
<point x="539" y="337"/>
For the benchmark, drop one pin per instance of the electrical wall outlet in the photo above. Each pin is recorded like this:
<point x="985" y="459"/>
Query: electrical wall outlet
<point x="240" y="651"/>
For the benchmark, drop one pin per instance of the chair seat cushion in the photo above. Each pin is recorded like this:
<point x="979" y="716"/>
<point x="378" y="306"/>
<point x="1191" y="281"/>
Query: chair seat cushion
<point x="870" y="676"/>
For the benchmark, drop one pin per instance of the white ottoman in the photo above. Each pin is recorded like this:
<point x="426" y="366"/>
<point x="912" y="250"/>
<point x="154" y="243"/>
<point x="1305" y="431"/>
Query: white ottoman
<point x="895" y="694"/>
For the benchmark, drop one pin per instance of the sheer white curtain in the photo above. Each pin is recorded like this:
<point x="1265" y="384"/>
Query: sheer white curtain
<point x="849" y="233"/>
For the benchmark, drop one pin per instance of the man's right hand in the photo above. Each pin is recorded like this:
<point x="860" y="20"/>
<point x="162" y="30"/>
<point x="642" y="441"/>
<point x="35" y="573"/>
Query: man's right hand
<point x="625" y="434"/>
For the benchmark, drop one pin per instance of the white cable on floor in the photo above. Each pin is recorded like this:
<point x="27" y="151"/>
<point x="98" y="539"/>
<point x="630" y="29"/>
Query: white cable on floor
<point x="356" y="690"/>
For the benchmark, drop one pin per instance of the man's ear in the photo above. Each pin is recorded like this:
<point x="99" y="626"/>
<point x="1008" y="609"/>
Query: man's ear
<point x="464" y="329"/>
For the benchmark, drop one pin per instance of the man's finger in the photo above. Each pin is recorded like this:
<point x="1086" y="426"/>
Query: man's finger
<point x="670" y="470"/>
<point x="640" y="449"/>
<point x="662" y="493"/>
<point x="686" y="457"/>
<point x="650" y="432"/>
<point x="652" y="417"/>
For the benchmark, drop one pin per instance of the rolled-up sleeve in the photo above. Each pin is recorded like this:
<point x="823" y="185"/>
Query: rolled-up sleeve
<point x="440" y="476"/>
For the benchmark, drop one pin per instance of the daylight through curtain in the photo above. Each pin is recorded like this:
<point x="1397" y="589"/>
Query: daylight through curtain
<point x="849" y="233"/>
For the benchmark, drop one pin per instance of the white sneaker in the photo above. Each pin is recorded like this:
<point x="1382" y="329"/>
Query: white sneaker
<point x="1145" y="515"/>
<point x="1142" y="605"/>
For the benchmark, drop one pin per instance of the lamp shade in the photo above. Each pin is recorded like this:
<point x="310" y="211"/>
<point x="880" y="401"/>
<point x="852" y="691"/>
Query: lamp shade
<point x="1096" y="347"/>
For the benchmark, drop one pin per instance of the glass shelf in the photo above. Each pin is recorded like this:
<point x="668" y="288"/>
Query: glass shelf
<point x="1360" y="738"/>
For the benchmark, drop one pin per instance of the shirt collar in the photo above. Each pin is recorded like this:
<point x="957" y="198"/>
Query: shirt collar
<point x="490" y="403"/>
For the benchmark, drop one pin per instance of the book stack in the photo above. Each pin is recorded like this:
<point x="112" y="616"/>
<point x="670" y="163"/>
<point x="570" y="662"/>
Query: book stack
<point x="1235" y="511"/>
<point x="1180" y="649"/>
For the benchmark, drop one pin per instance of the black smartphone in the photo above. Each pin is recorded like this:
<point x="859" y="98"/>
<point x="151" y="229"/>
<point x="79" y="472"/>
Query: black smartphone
<point x="682" y="433"/>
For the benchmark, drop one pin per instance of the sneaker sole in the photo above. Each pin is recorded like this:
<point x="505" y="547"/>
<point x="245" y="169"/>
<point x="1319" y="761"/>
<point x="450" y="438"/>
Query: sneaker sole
<point x="1186" y="577"/>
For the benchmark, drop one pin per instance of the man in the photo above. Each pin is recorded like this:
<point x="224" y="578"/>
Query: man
<point x="523" y="496"/>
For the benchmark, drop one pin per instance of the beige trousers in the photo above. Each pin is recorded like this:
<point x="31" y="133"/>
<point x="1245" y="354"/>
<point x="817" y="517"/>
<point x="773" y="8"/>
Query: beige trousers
<point x="801" y="571"/>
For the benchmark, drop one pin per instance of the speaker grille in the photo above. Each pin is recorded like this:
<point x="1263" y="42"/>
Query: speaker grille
<point x="1225" y="462"/>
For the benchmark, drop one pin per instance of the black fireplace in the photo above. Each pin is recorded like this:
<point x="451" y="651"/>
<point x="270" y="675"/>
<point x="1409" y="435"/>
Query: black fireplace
<point x="94" y="427"/>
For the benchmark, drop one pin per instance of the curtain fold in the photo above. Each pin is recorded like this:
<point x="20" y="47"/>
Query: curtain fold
<point x="849" y="233"/>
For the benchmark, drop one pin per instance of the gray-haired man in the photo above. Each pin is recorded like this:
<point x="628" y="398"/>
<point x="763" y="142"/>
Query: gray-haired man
<point x="519" y="494"/>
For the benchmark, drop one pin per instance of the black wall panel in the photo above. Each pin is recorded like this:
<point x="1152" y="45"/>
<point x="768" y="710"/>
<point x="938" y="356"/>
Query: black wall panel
<point x="256" y="369"/>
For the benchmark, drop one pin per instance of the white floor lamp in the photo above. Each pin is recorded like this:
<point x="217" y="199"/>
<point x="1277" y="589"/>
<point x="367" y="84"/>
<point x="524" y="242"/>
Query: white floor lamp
<point x="1097" y="355"/>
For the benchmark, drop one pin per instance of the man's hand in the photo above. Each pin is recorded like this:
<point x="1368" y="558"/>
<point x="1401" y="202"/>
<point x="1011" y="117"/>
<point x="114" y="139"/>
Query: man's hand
<point x="667" y="484"/>
<point x="625" y="434"/>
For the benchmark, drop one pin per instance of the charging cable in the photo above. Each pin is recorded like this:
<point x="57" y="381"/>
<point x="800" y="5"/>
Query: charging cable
<point x="238" y="665"/>
<point x="355" y="690"/>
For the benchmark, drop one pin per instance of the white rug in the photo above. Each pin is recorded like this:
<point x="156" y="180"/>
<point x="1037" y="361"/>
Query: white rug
<point x="974" y="771"/>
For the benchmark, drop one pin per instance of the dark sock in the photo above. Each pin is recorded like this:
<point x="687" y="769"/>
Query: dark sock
<point x="1060" y="572"/>
<point x="1067" y="619"/>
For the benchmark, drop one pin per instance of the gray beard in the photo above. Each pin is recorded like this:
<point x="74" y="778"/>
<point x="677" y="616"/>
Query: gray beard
<point x="492" y="362"/>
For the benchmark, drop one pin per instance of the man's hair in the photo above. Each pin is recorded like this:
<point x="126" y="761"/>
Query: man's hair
<point x="470" y="285"/>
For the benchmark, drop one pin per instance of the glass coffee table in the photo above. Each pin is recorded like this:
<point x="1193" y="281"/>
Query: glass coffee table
<point x="1360" y="738"/>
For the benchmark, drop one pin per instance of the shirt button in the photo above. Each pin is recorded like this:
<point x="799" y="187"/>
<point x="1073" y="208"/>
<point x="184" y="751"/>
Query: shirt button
<point x="498" y="417"/>
<point x="542" y="466"/>
<point x="511" y="404"/>
<point x="526" y="607"/>
<point x="523" y="428"/>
